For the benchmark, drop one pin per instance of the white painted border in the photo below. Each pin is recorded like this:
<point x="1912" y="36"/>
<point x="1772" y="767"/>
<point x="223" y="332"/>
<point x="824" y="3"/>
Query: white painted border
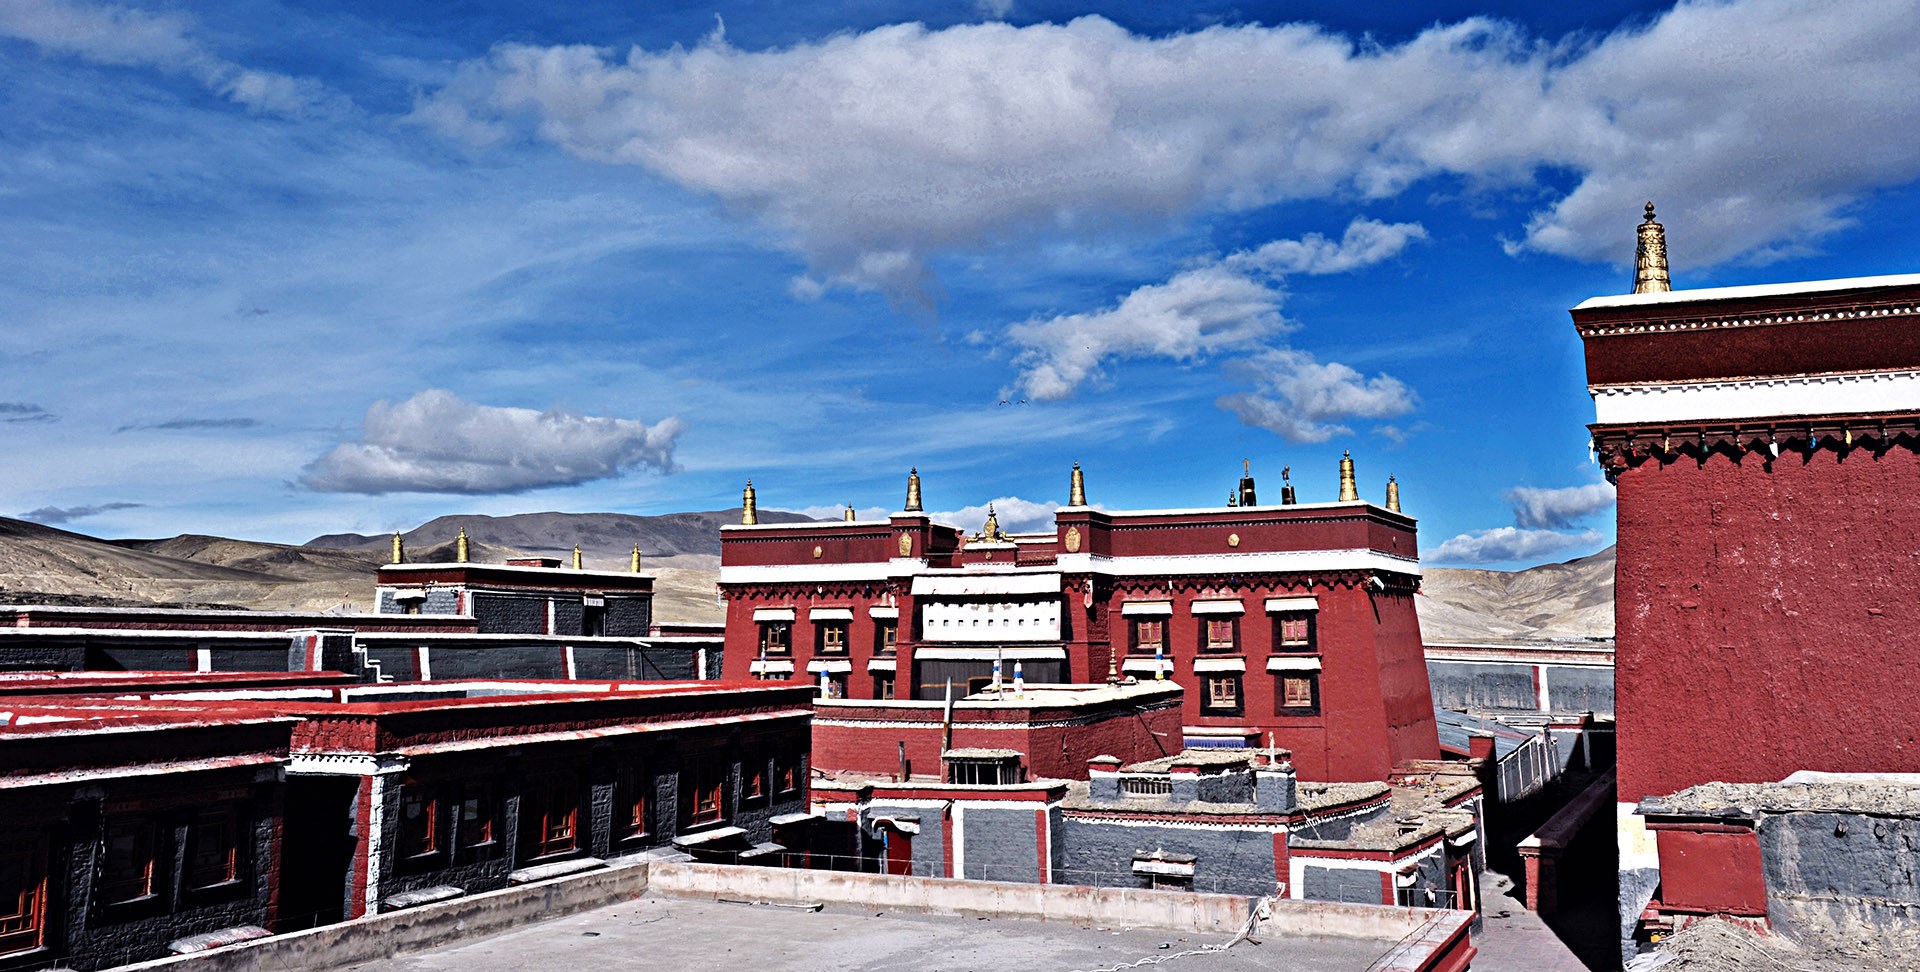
<point x="1889" y="391"/>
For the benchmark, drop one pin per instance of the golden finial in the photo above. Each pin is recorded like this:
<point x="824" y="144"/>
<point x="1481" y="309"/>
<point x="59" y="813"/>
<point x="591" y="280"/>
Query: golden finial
<point x="1348" y="490"/>
<point x="990" y="531"/>
<point x="576" y="558"/>
<point x="1247" y="495"/>
<point x="1077" y="493"/>
<point x="1286" y="487"/>
<point x="460" y="550"/>
<point x="399" y="549"/>
<point x="849" y="516"/>
<point x="1650" y="259"/>
<point x="749" y="511"/>
<point x="636" y="558"/>
<point x="1393" y="495"/>
<point x="1233" y="498"/>
<point x="913" y="490"/>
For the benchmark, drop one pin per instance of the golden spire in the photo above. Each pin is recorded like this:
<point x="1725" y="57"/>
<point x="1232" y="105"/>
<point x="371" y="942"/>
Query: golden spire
<point x="1393" y="495"/>
<point x="1077" y="493"/>
<point x="1247" y="495"/>
<point x="460" y="551"/>
<point x="636" y="558"/>
<point x="849" y="517"/>
<point x="913" y="490"/>
<point x="576" y="557"/>
<point x="749" y="511"/>
<point x="1286" y="487"/>
<point x="1348" y="490"/>
<point x="1650" y="259"/>
<point x="990" y="531"/>
<point x="399" y="549"/>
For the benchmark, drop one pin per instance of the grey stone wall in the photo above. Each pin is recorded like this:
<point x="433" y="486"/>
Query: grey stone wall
<point x="94" y="935"/>
<point x="1000" y="845"/>
<point x="629" y="617"/>
<point x="1100" y="853"/>
<point x="509" y="614"/>
<point x="1576" y="689"/>
<point x="1341" y="884"/>
<point x="1467" y="685"/>
<point x="1839" y="879"/>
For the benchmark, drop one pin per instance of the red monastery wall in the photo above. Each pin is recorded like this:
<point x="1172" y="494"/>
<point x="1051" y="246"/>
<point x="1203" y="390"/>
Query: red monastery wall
<point x="1749" y="598"/>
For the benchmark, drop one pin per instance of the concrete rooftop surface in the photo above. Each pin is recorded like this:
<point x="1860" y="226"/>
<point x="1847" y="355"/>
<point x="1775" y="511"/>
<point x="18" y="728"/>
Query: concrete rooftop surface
<point x="658" y="932"/>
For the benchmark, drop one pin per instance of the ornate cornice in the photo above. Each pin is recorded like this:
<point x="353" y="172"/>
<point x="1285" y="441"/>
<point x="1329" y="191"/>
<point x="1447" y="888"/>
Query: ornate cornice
<point x="1706" y="322"/>
<point x="1620" y="447"/>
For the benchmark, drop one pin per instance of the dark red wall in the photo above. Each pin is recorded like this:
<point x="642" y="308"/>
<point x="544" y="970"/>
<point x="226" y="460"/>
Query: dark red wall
<point x="1766" y="618"/>
<point x="1711" y="870"/>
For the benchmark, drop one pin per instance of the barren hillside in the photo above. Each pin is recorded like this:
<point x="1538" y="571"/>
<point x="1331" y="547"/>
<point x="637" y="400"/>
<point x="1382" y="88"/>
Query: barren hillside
<point x="1551" y="601"/>
<point x="682" y="551"/>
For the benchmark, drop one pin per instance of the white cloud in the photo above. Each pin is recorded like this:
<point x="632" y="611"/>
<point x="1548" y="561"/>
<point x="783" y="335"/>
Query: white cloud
<point x="127" y="37"/>
<point x="1232" y="304"/>
<point x="435" y="442"/>
<point x="1300" y="398"/>
<point x="1755" y="123"/>
<point x="1196" y="313"/>
<point x="1558" y="508"/>
<point x="1015" y="515"/>
<point x="1508" y="543"/>
<point x="1365" y="243"/>
<point x="53" y="515"/>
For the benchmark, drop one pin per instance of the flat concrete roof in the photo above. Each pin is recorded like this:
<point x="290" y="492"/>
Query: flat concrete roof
<point x="663" y="932"/>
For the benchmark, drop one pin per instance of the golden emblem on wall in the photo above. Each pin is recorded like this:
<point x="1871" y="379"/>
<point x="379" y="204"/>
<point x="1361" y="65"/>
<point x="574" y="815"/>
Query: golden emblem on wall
<point x="1233" y="539"/>
<point x="1073" y="539"/>
<point x="817" y="552"/>
<point x="906" y="544"/>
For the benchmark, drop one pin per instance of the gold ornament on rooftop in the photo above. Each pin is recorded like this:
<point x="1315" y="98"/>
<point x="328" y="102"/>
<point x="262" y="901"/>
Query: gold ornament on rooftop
<point x="1650" y="257"/>
<point x="749" y="510"/>
<point x="461" y="549"/>
<point x="1393" y="495"/>
<point x="1349" y="490"/>
<point x="1077" y="492"/>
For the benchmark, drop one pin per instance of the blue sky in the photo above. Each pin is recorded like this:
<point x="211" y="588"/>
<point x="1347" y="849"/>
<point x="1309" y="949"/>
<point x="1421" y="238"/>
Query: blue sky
<point x="276" y="270"/>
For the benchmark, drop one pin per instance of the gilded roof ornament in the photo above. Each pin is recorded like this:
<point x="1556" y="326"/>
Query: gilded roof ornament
<point x="1393" y="495"/>
<point x="1247" y="495"/>
<point x="1077" y="493"/>
<point x="849" y="517"/>
<point x="1650" y="257"/>
<point x="990" y="531"/>
<point x="636" y="558"/>
<point x="749" y="510"/>
<point x="913" y="490"/>
<point x="1287" y="497"/>
<point x="1349" y="491"/>
<point x="399" y="549"/>
<point x="461" y="549"/>
<point x="577" y="564"/>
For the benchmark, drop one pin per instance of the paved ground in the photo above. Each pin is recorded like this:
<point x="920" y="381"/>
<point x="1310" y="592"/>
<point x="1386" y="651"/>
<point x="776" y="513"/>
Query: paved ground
<point x="661" y="933"/>
<point x="1514" y="939"/>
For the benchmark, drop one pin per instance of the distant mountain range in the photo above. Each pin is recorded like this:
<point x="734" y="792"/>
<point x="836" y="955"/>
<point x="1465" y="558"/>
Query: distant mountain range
<point x="42" y="564"/>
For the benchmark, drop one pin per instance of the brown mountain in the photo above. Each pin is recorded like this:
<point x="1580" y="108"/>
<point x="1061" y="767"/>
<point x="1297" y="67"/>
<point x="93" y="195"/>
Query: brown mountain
<point x="44" y="564"/>
<point x="1572" y="600"/>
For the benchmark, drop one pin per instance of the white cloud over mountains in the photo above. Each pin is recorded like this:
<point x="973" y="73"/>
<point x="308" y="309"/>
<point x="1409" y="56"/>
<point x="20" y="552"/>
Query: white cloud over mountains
<point x="1502" y="544"/>
<point x="1557" y="509"/>
<point x="435" y="442"/>
<point x="868" y="153"/>
<point x="128" y="37"/>
<point x="1544" y="522"/>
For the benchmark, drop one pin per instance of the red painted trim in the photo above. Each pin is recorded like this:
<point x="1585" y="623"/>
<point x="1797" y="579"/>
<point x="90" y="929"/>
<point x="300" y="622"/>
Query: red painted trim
<point x="1388" y="893"/>
<point x="946" y="843"/>
<point x="1040" y="841"/>
<point x="363" y="850"/>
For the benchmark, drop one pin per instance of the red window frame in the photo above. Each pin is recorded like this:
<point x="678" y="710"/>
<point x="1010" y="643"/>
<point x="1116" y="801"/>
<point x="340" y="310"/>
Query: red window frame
<point x="419" y="821"/>
<point x="23" y="895"/>
<point x="553" y="818"/>
<point x="127" y="860"/>
<point x="630" y="804"/>
<point x="1220" y="632"/>
<point x="1149" y="636"/>
<point x="705" y="780"/>
<point x="213" y="848"/>
<point x="1293" y="631"/>
<point x="1288" y="702"/>
<point x="477" y="815"/>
